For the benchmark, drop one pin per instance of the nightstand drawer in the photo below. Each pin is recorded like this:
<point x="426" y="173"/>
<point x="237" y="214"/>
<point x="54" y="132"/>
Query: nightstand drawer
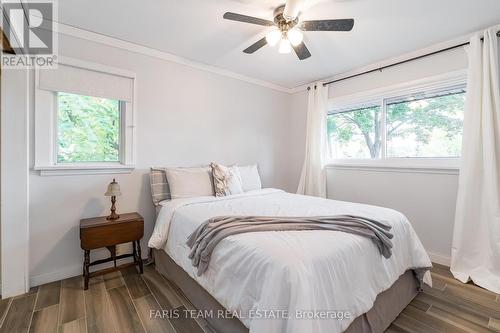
<point x="112" y="234"/>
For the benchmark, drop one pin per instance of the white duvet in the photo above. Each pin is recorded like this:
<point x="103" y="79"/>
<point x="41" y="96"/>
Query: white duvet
<point x="272" y="280"/>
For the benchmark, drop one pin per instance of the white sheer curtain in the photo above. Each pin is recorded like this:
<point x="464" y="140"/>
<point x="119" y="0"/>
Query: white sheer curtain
<point x="476" y="238"/>
<point x="313" y="178"/>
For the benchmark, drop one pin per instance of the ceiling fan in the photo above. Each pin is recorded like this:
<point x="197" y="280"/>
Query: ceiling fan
<point x="287" y="28"/>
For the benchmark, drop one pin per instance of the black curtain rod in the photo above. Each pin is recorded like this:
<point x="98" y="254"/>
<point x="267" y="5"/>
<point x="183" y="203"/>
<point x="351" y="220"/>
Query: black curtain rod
<point x="400" y="62"/>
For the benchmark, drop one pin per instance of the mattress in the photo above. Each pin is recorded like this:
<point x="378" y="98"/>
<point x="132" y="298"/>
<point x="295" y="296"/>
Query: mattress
<point x="386" y="308"/>
<point x="292" y="281"/>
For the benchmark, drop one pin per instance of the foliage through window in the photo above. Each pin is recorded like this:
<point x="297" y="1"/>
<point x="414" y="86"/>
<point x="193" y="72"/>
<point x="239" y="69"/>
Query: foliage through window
<point x="424" y="125"/>
<point x="88" y="129"/>
<point x="355" y="133"/>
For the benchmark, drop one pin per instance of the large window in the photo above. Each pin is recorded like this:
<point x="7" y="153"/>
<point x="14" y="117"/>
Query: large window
<point x="88" y="129"/>
<point x="427" y="124"/>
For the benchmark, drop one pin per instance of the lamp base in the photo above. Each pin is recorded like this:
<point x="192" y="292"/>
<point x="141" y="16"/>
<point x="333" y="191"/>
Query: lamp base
<point x="113" y="215"/>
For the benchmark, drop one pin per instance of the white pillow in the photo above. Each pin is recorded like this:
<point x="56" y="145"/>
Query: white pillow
<point x="235" y="185"/>
<point x="190" y="182"/>
<point x="250" y="179"/>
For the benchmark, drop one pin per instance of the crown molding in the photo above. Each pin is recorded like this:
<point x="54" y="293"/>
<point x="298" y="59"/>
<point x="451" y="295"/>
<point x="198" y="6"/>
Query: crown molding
<point x="69" y="30"/>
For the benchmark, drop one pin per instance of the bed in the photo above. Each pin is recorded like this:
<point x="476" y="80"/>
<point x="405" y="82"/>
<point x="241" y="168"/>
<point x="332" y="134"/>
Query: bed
<point x="291" y="281"/>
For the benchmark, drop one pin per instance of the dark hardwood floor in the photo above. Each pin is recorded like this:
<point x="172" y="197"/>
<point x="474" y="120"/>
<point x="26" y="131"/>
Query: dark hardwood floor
<point x="450" y="306"/>
<point x="116" y="302"/>
<point x="122" y="302"/>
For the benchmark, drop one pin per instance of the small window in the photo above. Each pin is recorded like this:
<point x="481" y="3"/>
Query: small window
<point x="84" y="120"/>
<point x="426" y="124"/>
<point x="88" y="129"/>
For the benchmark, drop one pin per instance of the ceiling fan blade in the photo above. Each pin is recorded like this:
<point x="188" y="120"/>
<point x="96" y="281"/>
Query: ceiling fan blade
<point x="302" y="51"/>
<point x="255" y="46"/>
<point x="292" y="9"/>
<point x="247" y="19"/>
<point x="328" y="25"/>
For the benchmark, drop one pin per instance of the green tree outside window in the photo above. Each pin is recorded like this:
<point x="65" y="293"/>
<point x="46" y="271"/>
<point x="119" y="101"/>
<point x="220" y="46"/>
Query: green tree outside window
<point x="427" y="127"/>
<point x="88" y="129"/>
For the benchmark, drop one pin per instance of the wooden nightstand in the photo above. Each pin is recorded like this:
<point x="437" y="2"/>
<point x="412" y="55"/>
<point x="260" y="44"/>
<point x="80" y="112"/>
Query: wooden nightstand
<point x="98" y="232"/>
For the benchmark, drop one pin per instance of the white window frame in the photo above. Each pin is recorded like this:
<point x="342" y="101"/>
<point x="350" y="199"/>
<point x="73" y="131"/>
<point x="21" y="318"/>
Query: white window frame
<point x="46" y="129"/>
<point x="379" y="97"/>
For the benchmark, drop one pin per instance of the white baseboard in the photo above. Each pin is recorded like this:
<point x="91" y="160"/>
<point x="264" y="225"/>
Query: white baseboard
<point x="12" y="293"/>
<point x="440" y="259"/>
<point x="68" y="272"/>
<point x="62" y="274"/>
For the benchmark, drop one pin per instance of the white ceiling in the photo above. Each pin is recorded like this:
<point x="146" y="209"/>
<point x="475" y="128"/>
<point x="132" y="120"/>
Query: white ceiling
<point x="194" y="29"/>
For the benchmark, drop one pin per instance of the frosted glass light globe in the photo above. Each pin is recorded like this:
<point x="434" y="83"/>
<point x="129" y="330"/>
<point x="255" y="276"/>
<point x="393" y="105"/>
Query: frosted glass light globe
<point x="295" y="36"/>
<point x="273" y="37"/>
<point x="285" y="46"/>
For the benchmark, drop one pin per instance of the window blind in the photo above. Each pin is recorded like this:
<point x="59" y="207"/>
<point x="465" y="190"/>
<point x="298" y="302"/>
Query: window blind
<point x="459" y="89"/>
<point x="88" y="82"/>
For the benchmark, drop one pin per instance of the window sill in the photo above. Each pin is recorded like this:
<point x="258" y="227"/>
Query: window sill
<point x="65" y="170"/>
<point x="429" y="166"/>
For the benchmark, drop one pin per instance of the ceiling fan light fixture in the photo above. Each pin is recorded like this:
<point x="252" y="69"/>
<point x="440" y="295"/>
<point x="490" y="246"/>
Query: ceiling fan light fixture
<point x="285" y="46"/>
<point x="295" y="36"/>
<point x="287" y="28"/>
<point x="273" y="37"/>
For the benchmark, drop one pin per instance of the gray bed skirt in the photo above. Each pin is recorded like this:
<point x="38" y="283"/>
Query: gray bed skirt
<point x="386" y="308"/>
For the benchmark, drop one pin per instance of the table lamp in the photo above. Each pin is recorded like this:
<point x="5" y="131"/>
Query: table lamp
<point x="113" y="191"/>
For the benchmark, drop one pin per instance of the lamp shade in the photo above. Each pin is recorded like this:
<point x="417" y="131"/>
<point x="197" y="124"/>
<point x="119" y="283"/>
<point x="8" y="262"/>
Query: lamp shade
<point x="113" y="189"/>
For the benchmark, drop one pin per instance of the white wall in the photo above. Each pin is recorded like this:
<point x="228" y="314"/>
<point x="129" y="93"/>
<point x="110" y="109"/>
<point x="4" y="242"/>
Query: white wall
<point x="440" y="63"/>
<point x="427" y="198"/>
<point x="185" y="117"/>
<point x="14" y="181"/>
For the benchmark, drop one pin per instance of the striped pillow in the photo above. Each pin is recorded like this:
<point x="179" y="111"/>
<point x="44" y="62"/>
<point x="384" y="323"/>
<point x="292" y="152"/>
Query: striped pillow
<point x="159" y="186"/>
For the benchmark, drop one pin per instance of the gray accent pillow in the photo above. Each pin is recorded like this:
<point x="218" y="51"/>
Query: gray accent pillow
<point x="159" y="186"/>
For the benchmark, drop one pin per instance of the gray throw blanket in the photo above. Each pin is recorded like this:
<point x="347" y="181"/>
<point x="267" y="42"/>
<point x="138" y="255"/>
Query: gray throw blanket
<point x="204" y="239"/>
